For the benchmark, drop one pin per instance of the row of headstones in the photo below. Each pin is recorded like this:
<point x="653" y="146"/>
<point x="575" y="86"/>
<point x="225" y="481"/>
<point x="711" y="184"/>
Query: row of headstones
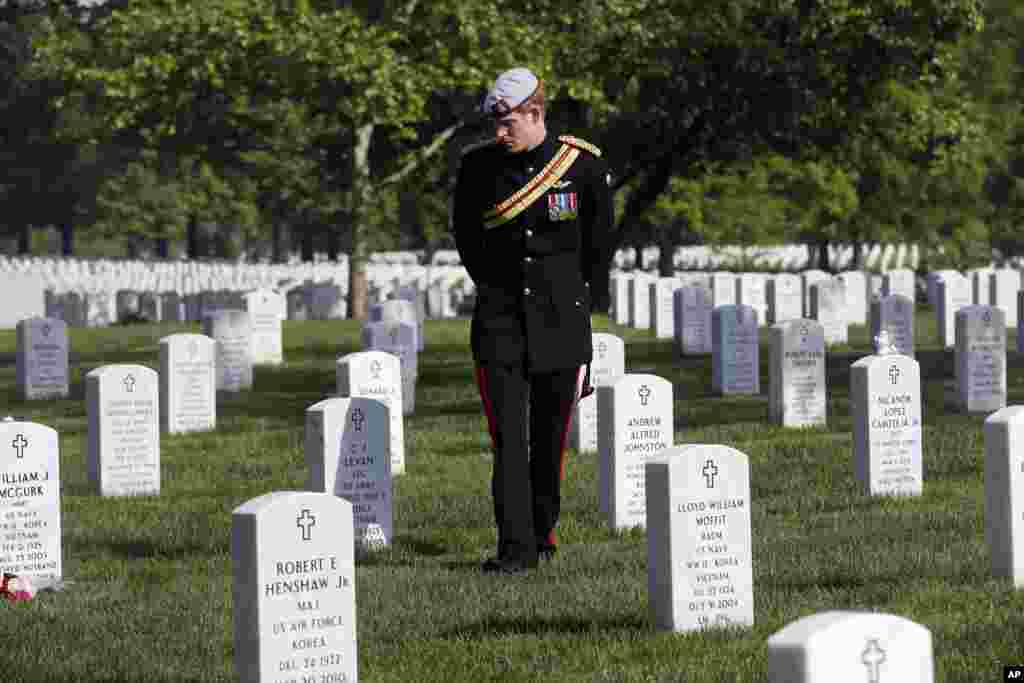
<point x="645" y="301"/>
<point x="634" y="411"/>
<point x="696" y="501"/>
<point x="123" y="453"/>
<point x="293" y="578"/>
<point x="797" y="371"/>
<point x="441" y="298"/>
<point x="294" y="593"/>
<point x="345" y="458"/>
<point x="786" y="257"/>
<point x="194" y="365"/>
<point x="243" y="338"/>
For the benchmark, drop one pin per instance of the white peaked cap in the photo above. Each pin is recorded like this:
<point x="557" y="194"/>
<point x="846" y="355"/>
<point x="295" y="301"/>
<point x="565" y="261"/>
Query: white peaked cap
<point x="511" y="89"/>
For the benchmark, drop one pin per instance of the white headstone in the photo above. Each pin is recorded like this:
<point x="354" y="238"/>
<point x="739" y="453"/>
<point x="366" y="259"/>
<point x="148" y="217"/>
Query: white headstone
<point x="1004" y="284"/>
<point x="267" y="310"/>
<point x="1020" y="322"/>
<point x="857" y="296"/>
<point x="810" y="278"/>
<point x="348" y="455"/>
<point x="24" y="297"/>
<point x="608" y="365"/>
<point x="41" y="364"/>
<point x="885" y="394"/>
<point x="294" y="595"/>
<point x="899" y="282"/>
<point x="952" y="292"/>
<point x="734" y="355"/>
<point x="895" y="315"/>
<point x="980" y="359"/>
<point x="123" y="408"/>
<point x="750" y="291"/>
<point x="635" y="425"/>
<point x="699" y="569"/>
<point x="796" y="374"/>
<point x="401" y="311"/>
<point x="398" y="339"/>
<point x="693" y="320"/>
<point x="376" y="374"/>
<point x="784" y="293"/>
<point x="188" y="384"/>
<point x="639" y="301"/>
<point x="661" y="290"/>
<point x="851" y="647"/>
<point x="1004" y="492"/>
<point x="980" y="285"/>
<point x="30" y="532"/>
<point x="620" y="288"/>
<point x="232" y="331"/>
<point x="723" y="289"/>
<point x="828" y="307"/>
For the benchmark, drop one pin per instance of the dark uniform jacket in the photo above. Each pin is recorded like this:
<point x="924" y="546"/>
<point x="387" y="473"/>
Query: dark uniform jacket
<point x="533" y="273"/>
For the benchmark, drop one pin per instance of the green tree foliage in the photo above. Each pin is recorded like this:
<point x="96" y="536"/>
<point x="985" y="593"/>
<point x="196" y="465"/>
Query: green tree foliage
<point x="736" y="121"/>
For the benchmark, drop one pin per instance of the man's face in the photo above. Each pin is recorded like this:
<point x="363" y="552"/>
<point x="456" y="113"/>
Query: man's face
<point x="517" y="131"/>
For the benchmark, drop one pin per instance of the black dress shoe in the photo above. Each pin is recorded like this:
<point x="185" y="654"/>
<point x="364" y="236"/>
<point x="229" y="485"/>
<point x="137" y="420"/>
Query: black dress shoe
<point x="497" y="565"/>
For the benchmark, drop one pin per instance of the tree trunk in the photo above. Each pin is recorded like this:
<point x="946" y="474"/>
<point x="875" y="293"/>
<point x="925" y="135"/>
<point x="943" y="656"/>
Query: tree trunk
<point x="25" y="240"/>
<point x="361" y="190"/>
<point x="858" y="255"/>
<point x="823" y="259"/>
<point x="306" y="243"/>
<point x="333" y="242"/>
<point x="192" y="238"/>
<point x="67" y="239"/>
<point x="276" y="238"/>
<point x="163" y="247"/>
<point x="666" y="254"/>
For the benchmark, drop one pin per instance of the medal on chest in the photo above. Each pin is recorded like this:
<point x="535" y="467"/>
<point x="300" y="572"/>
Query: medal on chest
<point x="562" y="206"/>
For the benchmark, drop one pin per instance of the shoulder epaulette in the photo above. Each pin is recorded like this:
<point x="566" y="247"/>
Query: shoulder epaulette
<point x="580" y="144"/>
<point x="479" y="144"/>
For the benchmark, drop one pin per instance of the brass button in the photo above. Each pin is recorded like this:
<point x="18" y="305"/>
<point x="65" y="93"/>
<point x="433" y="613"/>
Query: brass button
<point x="528" y="259"/>
<point x="526" y="291"/>
<point x="529" y="169"/>
<point x="529" y="233"/>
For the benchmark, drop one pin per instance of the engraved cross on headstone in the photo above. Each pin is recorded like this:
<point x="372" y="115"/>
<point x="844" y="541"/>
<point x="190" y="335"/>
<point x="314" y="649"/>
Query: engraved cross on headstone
<point x="710" y="471"/>
<point x="375" y="369"/>
<point x="129" y="383"/>
<point x="357" y="419"/>
<point x="872" y="657"/>
<point x="306" y="521"/>
<point x="602" y="348"/>
<point x="894" y="374"/>
<point x="193" y="349"/>
<point x="644" y="392"/>
<point x="20" y="443"/>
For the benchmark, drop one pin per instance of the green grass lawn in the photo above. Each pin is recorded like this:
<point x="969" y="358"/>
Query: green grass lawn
<point x="149" y="592"/>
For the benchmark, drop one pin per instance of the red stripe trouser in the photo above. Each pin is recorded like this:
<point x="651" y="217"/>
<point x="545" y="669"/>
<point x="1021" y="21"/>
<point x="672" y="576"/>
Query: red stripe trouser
<point x="528" y="417"/>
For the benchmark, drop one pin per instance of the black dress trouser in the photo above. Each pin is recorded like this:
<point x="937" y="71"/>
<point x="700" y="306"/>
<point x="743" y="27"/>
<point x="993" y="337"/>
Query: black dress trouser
<point x="528" y="461"/>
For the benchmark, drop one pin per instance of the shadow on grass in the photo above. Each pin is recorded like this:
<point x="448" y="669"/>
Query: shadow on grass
<point x="498" y="626"/>
<point x="145" y="549"/>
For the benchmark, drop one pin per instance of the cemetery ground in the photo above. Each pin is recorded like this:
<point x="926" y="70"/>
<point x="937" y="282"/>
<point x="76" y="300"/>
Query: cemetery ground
<point x="148" y="594"/>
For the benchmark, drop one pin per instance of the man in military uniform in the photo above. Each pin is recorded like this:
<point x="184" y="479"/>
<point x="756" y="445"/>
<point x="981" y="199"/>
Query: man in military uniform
<point x="532" y="214"/>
